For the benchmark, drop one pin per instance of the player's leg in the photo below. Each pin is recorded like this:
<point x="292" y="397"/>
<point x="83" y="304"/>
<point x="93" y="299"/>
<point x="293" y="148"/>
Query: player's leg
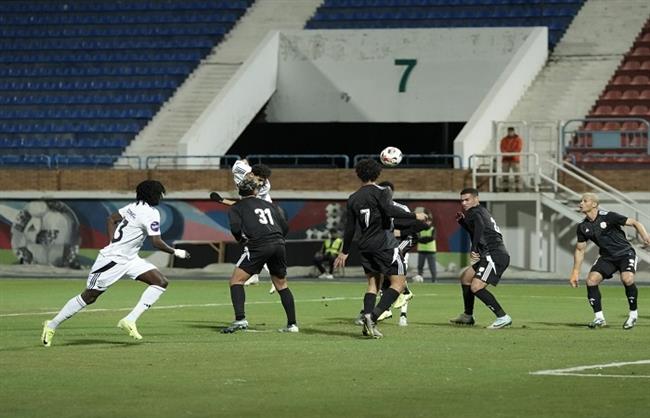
<point x="599" y="271"/>
<point x="421" y="261"/>
<point x="467" y="317"/>
<point x="431" y="259"/>
<point x="238" y="299"/>
<point x="103" y="273"/>
<point x="277" y="264"/>
<point x="489" y="272"/>
<point x="145" y="272"/>
<point x="632" y="294"/>
<point x="318" y="263"/>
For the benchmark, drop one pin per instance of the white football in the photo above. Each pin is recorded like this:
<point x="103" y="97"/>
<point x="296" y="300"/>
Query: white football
<point x="390" y="156"/>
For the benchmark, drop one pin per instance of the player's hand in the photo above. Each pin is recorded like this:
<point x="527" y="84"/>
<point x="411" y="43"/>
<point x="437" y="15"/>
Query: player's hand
<point x="474" y="257"/>
<point x="214" y="196"/>
<point x="181" y="253"/>
<point x="460" y="216"/>
<point x="574" y="279"/>
<point x="340" y="260"/>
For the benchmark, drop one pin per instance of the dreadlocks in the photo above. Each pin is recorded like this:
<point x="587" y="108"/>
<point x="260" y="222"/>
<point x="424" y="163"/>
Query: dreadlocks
<point x="150" y="192"/>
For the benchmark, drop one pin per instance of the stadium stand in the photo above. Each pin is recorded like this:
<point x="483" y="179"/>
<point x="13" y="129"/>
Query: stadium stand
<point x="345" y="14"/>
<point x="626" y="98"/>
<point x="80" y="79"/>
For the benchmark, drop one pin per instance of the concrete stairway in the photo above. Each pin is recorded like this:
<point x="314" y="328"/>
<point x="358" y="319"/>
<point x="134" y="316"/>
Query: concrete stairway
<point x="584" y="60"/>
<point x="164" y="131"/>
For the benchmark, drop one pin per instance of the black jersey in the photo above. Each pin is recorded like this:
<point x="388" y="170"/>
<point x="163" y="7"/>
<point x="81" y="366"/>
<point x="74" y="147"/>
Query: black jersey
<point x="371" y="209"/>
<point x="257" y="222"/>
<point x="485" y="234"/>
<point x="606" y="232"/>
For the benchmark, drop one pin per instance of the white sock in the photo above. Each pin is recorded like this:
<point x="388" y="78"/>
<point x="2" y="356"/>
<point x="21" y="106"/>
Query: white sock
<point x="634" y="314"/>
<point x="599" y="315"/>
<point x="148" y="298"/>
<point x="404" y="309"/>
<point x="73" y="306"/>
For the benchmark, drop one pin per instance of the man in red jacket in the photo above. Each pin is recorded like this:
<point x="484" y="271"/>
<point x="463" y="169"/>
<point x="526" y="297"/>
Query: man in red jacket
<point x="509" y="144"/>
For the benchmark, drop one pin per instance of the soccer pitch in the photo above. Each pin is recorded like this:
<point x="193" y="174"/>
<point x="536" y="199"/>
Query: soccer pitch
<point x="185" y="368"/>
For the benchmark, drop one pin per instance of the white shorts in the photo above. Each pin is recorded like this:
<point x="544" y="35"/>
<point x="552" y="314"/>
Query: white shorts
<point x="105" y="272"/>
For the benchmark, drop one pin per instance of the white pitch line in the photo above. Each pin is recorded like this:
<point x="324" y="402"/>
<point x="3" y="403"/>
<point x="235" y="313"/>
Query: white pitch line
<point x="570" y="371"/>
<point x="201" y="305"/>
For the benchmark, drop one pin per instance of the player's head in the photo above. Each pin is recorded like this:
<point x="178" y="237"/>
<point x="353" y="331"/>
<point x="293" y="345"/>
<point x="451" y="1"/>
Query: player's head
<point x="588" y="201"/>
<point x="262" y="171"/>
<point x="511" y="131"/>
<point x="248" y="187"/>
<point x="368" y="170"/>
<point x="469" y="198"/>
<point x="150" y="192"/>
<point x="334" y="233"/>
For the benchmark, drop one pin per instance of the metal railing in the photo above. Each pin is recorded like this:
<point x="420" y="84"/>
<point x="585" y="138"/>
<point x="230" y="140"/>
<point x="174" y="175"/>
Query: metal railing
<point x="489" y="165"/>
<point x="301" y="160"/>
<point x="421" y="160"/>
<point x="190" y="161"/>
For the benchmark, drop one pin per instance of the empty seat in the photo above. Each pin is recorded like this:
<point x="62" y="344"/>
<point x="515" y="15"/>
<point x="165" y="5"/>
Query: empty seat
<point x="622" y="79"/>
<point x="641" y="51"/>
<point x="603" y="110"/>
<point x="630" y="95"/>
<point x="612" y="95"/>
<point x="621" y="110"/>
<point x="641" y="80"/>
<point x="639" y="110"/>
<point x="611" y="126"/>
<point x="630" y="126"/>
<point x="645" y="94"/>
<point x="593" y="126"/>
<point x="645" y="65"/>
<point x="632" y="65"/>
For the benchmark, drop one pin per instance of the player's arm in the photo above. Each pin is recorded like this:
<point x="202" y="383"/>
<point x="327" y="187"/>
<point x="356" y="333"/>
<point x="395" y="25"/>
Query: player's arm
<point x="281" y="221"/>
<point x="216" y="197"/>
<point x="153" y="230"/>
<point x="348" y="234"/>
<point x="477" y="232"/>
<point x="234" y="218"/>
<point x="111" y="224"/>
<point x="394" y="211"/>
<point x="578" y="257"/>
<point x="640" y="229"/>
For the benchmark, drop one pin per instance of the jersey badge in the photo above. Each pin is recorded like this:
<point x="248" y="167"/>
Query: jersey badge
<point x="155" y="226"/>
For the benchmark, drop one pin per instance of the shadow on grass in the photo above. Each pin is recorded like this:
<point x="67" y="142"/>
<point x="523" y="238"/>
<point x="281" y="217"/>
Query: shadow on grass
<point x="97" y="341"/>
<point x="356" y="334"/>
<point x="563" y="324"/>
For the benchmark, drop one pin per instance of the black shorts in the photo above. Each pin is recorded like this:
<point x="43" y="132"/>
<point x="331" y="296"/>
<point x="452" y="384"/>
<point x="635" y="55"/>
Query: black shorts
<point x="389" y="262"/>
<point x="490" y="268"/>
<point x="608" y="266"/>
<point x="273" y="255"/>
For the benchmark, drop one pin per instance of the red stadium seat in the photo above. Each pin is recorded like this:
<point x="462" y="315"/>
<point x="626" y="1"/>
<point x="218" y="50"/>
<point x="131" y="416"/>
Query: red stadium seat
<point x="593" y="126"/>
<point x="630" y="126"/>
<point x="646" y="37"/>
<point x="645" y="94"/>
<point x="641" y="51"/>
<point x="603" y="110"/>
<point x="645" y="65"/>
<point x="639" y="110"/>
<point x="630" y="95"/>
<point x="632" y="65"/>
<point x="641" y="80"/>
<point x="612" y="126"/>
<point x="622" y="79"/>
<point x="612" y="95"/>
<point x="621" y="110"/>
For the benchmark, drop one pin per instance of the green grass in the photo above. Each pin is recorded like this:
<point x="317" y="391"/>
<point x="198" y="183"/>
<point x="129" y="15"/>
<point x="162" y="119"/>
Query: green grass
<point x="185" y="367"/>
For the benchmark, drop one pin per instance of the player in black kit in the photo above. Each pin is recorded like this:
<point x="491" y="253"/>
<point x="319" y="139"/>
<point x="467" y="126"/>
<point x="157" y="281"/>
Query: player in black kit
<point x="615" y="254"/>
<point x="261" y="228"/>
<point x="489" y="259"/>
<point x="371" y="208"/>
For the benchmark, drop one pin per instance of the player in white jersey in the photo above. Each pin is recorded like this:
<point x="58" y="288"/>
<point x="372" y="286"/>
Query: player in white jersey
<point x="128" y="228"/>
<point x="241" y="170"/>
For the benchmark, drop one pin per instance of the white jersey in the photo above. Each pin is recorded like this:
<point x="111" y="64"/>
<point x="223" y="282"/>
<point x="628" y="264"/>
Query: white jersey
<point x="240" y="169"/>
<point x="139" y="221"/>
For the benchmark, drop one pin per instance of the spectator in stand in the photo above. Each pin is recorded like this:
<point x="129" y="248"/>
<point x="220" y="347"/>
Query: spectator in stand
<point x="509" y="144"/>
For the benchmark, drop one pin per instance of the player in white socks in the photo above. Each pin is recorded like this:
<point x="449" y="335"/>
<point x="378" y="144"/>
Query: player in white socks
<point x="128" y="228"/>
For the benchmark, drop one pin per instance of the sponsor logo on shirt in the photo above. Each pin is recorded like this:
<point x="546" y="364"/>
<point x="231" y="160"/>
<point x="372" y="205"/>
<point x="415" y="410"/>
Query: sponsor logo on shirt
<point x="155" y="226"/>
<point x="603" y="225"/>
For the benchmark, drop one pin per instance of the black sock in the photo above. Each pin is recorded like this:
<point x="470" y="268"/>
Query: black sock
<point x="632" y="294"/>
<point x="288" y="304"/>
<point x="406" y="291"/>
<point x="238" y="298"/>
<point x="593" y="295"/>
<point x="388" y="298"/>
<point x="468" y="299"/>
<point x="490" y="301"/>
<point x="369" y="300"/>
<point x="385" y="284"/>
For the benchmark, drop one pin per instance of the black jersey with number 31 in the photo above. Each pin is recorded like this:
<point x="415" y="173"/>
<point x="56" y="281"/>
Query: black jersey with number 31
<point x="257" y="222"/>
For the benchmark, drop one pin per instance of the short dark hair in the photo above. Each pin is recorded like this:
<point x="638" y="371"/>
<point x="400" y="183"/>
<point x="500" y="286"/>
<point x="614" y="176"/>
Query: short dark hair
<point x="368" y="170"/>
<point x="247" y="187"/>
<point x="387" y="184"/>
<point x="150" y="192"/>
<point x="469" y="190"/>
<point x="511" y="128"/>
<point x="261" y="170"/>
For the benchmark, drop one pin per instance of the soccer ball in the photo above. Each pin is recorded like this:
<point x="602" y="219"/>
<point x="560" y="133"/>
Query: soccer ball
<point x="390" y="156"/>
<point x="417" y="279"/>
<point x="46" y="232"/>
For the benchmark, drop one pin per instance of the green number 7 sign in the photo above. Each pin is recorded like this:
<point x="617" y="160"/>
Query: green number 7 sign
<point x="408" y="64"/>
